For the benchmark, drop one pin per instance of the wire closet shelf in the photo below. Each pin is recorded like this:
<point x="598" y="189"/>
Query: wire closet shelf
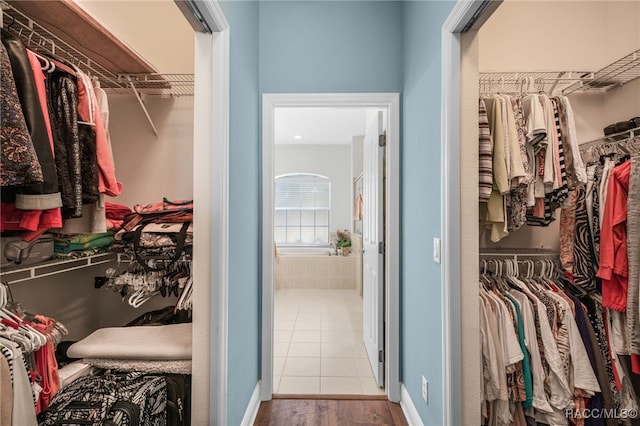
<point x="525" y="82"/>
<point x="616" y="74"/>
<point x="43" y="41"/>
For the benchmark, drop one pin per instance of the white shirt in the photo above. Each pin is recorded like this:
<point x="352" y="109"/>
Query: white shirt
<point x="24" y="411"/>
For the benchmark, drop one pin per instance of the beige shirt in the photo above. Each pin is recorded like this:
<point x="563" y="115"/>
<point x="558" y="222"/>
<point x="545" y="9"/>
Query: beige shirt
<point x="517" y="173"/>
<point x="6" y="392"/>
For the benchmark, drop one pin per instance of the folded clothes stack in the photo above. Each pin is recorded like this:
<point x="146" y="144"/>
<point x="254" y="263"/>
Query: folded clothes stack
<point x="115" y="215"/>
<point x="151" y="349"/>
<point x="82" y="245"/>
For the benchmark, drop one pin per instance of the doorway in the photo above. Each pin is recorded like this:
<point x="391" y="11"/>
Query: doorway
<point x="458" y="407"/>
<point x="309" y="310"/>
<point x="318" y="261"/>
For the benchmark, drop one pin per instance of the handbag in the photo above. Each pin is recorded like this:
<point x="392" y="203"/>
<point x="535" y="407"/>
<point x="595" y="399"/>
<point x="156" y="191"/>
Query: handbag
<point x="181" y="247"/>
<point x="170" y="217"/>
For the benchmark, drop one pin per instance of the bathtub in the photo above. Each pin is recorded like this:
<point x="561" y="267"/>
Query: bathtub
<point x="313" y="268"/>
<point x="306" y="251"/>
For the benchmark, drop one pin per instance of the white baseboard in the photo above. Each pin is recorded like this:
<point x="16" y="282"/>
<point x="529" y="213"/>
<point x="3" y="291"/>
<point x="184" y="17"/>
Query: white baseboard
<point x="409" y="410"/>
<point x="252" y="409"/>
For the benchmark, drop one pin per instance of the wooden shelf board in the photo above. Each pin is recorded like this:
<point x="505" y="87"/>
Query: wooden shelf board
<point x="73" y="25"/>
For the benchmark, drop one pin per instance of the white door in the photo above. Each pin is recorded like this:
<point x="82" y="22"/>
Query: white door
<point x="373" y="246"/>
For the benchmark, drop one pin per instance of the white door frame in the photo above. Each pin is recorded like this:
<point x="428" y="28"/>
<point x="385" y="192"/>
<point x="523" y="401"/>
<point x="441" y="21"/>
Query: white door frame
<point x="391" y="101"/>
<point x="466" y="15"/>
<point x="211" y="214"/>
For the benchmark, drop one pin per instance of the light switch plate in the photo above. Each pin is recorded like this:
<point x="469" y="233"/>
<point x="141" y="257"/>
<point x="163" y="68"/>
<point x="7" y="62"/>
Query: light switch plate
<point x="436" y="250"/>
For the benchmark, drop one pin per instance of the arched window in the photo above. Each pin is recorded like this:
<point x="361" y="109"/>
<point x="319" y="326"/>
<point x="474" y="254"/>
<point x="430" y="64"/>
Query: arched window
<point x="302" y="209"/>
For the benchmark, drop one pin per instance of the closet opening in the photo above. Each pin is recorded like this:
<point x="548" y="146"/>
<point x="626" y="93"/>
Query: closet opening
<point x="598" y="97"/>
<point x="168" y="126"/>
<point x="324" y="169"/>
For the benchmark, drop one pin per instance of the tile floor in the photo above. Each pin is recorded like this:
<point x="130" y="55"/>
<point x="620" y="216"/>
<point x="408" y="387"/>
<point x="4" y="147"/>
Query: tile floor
<point x="318" y="345"/>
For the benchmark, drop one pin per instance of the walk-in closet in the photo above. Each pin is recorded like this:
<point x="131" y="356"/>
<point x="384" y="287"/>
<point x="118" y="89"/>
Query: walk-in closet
<point x="556" y="145"/>
<point x="97" y="294"/>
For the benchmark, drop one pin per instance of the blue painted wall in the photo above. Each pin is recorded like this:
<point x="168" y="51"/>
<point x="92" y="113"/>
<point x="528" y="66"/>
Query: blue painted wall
<point x="330" y="46"/>
<point x="244" y="208"/>
<point x="421" y="311"/>
<point x="339" y="46"/>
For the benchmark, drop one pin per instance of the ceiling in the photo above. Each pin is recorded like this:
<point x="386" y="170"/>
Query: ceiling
<point x="323" y="126"/>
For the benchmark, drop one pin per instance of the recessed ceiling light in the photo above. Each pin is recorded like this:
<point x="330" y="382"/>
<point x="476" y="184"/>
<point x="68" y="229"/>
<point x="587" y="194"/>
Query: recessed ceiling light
<point x="297" y="137"/>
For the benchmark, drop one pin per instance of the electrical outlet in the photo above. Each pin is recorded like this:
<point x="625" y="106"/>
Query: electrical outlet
<point x="425" y="390"/>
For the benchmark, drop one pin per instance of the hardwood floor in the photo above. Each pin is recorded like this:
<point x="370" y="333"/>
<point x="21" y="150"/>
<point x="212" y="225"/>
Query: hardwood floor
<point x="329" y="411"/>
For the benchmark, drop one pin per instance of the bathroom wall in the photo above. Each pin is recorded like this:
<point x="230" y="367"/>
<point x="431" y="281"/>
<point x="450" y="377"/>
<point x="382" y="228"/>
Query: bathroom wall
<point x="333" y="161"/>
<point x="357" y="155"/>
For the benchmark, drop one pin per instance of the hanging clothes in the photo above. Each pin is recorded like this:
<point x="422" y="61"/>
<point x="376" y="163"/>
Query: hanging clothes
<point x="27" y="347"/>
<point x="583" y="269"/>
<point x="485" y="165"/>
<point x="607" y="263"/>
<point x="523" y="149"/>
<point x="37" y="220"/>
<point x="20" y="164"/>
<point x="549" y="363"/>
<point x="633" y="255"/>
<point x="44" y="195"/>
<point x="358" y="208"/>
<point x="614" y="267"/>
<point x="63" y="97"/>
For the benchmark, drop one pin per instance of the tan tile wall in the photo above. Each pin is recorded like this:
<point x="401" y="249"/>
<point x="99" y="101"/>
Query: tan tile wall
<point x="331" y="272"/>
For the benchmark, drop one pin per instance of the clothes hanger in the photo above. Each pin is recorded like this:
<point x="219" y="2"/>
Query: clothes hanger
<point x="500" y="279"/>
<point x="485" y="281"/>
<point x="138" y="298"/>
<point x="547" y="278"/>
<point x="25" y="344"/>
<point x="513" y="276"/>
<point x="13" y="20"/>
<point x="21" y="317"/>
<point x="530" y="268"/>
<point x="45" y="63"/>
<point x="4" y="294"/>
<point x="531" y="281"/>
<point x="57" y="64"/>
<point x="24" y="335"/>
<point x="184" y="301"/>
